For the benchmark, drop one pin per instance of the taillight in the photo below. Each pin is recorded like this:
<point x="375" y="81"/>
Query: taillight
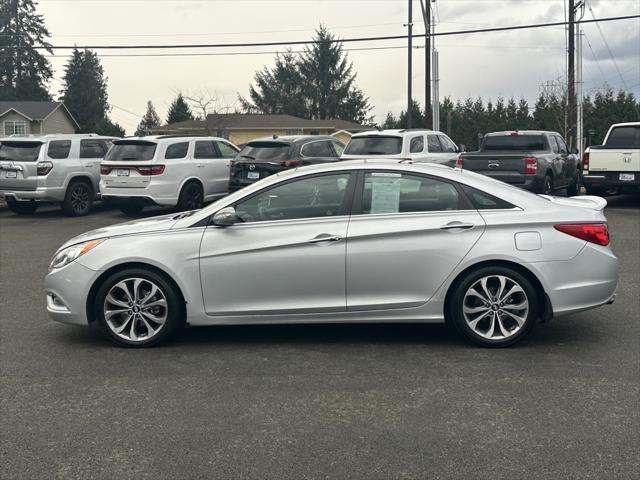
<point x="459" y="162"/>
<point x="514" y="134"/>
<point x="291" y="163"/>
<point x="151" y="170"/>
<point x="530" y="165"/>
<point x="585" y="161"/>
<point x="591" y="232"/>
<point x="44" y="168"/>
<point x="104" y="170"/>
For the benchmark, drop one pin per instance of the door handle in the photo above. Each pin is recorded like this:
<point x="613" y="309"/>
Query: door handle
<point x="199" y="165"/>
<point x="325" y="237"/>
<point x="457" y="226"/>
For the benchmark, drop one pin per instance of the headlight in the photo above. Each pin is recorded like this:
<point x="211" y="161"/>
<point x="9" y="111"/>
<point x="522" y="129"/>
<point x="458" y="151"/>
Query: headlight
<point x="69" y="254"/>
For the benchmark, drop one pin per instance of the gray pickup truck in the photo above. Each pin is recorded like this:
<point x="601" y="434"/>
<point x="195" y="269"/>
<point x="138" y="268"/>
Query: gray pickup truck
<point x="532" y="159"/>
<point x="51" y="168"/>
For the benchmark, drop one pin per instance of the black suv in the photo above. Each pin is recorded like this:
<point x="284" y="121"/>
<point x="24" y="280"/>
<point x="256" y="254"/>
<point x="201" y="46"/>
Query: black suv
<point x="266" y="156"/>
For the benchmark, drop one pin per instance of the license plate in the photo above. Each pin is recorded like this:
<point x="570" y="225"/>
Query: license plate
<point x="11" y="174"/>
<point x="123" y="173"/>
<point x="253" y="175"/>
<point x="627" y="177"/>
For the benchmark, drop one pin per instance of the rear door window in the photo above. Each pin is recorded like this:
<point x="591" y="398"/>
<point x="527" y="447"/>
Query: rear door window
<point x="59" y="149"/>
<point x="177" y="150"/>
<point x="562" y="147"/>
<point x="624" y="137"/>
<point x="417" y="144"/>
<point x="92" y="149"/>
<point x="374" y="145"/>
<point x="434" y="144"/>
<point x="204" y="149"/>
<point x="318" y="149"/>
<point x="20" y="151"/>
<point x="125" y="150"/>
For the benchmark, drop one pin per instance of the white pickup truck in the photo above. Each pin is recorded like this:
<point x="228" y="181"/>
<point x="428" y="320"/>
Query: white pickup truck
<point x="614" y="166"/>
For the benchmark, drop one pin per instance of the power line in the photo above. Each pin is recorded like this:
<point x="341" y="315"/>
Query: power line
<point x="311" y="41"/>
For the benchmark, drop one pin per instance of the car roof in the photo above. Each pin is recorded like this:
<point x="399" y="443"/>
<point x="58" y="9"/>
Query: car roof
<point x="626" y="124"/>
<point x="160" y="138"/>
<point x="55" y="136"/>
<point x="393" y="132"/>
<point x="293" y="138"/>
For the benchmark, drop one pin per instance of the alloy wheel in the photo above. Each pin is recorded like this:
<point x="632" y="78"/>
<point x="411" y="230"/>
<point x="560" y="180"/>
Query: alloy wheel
<point x="193" y="200"/>
<point x="495" y="307"/>
<point x="80" y="198"/>
<point x="135" y="309"/>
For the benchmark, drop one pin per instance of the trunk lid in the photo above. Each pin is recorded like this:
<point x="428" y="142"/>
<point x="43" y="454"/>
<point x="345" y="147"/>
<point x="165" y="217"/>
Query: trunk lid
<point x="19" y="164"/>
<point x="584" y="201"/>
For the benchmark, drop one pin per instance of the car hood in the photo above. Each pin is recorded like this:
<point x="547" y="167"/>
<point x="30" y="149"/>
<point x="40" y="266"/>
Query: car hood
<point x="146" y="225"/>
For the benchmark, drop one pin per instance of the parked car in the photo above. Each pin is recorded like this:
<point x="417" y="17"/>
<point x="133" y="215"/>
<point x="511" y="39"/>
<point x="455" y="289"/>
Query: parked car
<point x="265" y="156"/>
<point x="56" y="168"/>
<point x="614" y="166"/>
<point x="173" y="171"/>
<point x="415" y="145"/>
<point x="532" y="159"/>
<point x="359" y="241"/>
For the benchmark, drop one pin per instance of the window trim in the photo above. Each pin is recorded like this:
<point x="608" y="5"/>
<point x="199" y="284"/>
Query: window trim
<point x="96" y="140"/>
<point x="359" y="193"/>
<point x="14" y="122"/>
<point x="186" y="155"/>
<point x="345" y="208"/>
<point x="58" y="140"/>
<point x="216" y="150"/>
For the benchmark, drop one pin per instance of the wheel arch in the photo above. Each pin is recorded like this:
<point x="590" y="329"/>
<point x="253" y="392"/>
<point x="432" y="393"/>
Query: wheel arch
<point x="91" y="296"/>
<point x="544" y="304"/>
<point x="189" y="180"/>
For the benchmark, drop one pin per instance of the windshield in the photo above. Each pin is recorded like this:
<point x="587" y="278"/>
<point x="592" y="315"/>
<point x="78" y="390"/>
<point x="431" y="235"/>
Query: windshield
<point x="20" y="151"/>
<point x="515" y="143"/>
<point x="131" y="150"/>
<point x="624" y="137"/>
<point x="374" y="145"/>
<point x="264" y="151"/>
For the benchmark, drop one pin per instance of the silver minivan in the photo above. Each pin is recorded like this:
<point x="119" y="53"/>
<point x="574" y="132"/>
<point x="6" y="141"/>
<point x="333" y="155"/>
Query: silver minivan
<point x="56" y="168"/>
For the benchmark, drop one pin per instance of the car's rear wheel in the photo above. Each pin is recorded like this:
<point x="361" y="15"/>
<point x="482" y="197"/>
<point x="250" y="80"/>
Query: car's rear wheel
<point x="131" y="207"/>
<point x="22" y="208"/>
<point x="576" y="184"/>
<point x="191" y="197"/>
<point x="494" y="307"/>
<point x="78" y="199"/>
<point x="138" y="308"/>
<point x="547" y="185"/>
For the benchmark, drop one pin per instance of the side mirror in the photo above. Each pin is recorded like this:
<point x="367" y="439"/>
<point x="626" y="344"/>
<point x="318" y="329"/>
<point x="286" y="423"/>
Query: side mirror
<point x="575" y="151"/>
<point x="225" y="217"/>
<point x="462" y="147"/>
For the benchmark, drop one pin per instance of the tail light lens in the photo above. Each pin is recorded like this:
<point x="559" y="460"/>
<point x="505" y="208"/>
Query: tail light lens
<point x="530" y="165"/>
<point x="597" y="233"/>
<point x="459" y="162"/>
<point x="44" y="168"/>
<point x="585" y="161"/>
<point x="104" y="170"/>
<point x="291" y="163"/>
<point x="151" y="170"/>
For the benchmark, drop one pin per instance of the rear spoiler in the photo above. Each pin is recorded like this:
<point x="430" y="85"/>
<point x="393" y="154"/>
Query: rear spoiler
<point x="585" y="201"/>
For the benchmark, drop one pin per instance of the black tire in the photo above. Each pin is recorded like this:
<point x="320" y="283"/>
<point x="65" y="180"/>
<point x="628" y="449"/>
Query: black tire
<point x="575" y="185"/>
<point x="191" y="197"/>
<point x="131" y="207"/>
<point x="78" y="199"/>
<point x="547" y="185"/>
<point x="22" y="208"/>
<point x="597" y="191"/>
<point x="175" y="309"/>
<point x="461" y="297"/>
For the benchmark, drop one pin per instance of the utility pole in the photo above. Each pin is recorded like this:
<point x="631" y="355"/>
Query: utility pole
<point x="426" y="17"/>
<point x="409" y="63"/>
<point x="579" y="86"/>
<point x="571" y="73"/>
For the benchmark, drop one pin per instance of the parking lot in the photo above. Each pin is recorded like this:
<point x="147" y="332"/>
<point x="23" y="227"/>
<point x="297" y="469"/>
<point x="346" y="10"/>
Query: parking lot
<point x="314" y="401"/>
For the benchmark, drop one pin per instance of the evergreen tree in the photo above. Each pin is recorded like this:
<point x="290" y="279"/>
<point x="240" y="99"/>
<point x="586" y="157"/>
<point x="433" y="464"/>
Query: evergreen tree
<point x="24" y="71"/>
<point x="85" y="90"/>
<point x="417" y="117"/>
<point x="179" y="110"/>
<point x="109" y="128"/>
<point x="390" y="122"/>
<point x="149" y="121"/>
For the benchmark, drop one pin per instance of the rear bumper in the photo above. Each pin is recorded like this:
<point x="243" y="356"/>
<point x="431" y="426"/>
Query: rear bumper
<point x="152" y="194"/>
<point x="47" y="194"/>
<point x="611" y="181"/>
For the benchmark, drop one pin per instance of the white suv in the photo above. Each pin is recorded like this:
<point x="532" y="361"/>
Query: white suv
<point x="166" y="170"/>
<point x="416" y="145"/>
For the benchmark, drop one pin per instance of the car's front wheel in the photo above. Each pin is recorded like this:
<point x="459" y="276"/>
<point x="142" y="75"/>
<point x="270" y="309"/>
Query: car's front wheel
<point x="494" y="307"/>
<point x="138" y="308"/>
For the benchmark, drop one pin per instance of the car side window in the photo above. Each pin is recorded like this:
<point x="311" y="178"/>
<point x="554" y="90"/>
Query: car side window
<point x="92" y="149"/>
<point x="177" y="150"/>
<point x="311" y="197"/>
<point x="205" y="149"/>
<point x="416" y="145"/>
<point x="562" y="147"/>
<point x="434" y="144"/>
<point x="484" y="201"/>
<point x="391" y="192"/>
<point x="226" y="150"/>
<point x="320" y="148"/>
<point x="554" y="145"/>
<point x="338" y="147"/>
<point x="447" y="145"/>
<point x="59" y="149"/>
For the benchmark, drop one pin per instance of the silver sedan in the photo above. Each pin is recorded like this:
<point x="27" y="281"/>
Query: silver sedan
<point x="359" y="241"/>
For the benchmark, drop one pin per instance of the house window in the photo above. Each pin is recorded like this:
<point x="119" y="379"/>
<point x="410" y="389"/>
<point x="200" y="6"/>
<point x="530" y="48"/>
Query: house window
<point x="293" y="131"/>
<point x="15" y="127"/>
<point x="314" y="132"/>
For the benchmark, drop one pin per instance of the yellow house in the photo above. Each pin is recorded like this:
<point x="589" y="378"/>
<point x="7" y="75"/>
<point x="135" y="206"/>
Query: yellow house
<point x="241" y="128"/>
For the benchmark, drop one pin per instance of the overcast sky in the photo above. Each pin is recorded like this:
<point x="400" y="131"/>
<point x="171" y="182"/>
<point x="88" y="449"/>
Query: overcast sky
<point x="488" y="64"/>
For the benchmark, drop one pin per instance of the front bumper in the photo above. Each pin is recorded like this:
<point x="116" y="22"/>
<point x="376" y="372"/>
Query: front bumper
<point x="67" y="290"/>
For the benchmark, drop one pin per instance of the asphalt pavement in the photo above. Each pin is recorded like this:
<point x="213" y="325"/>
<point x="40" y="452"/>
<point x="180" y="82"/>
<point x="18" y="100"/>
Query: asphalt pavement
<point x="313" y="401"/>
